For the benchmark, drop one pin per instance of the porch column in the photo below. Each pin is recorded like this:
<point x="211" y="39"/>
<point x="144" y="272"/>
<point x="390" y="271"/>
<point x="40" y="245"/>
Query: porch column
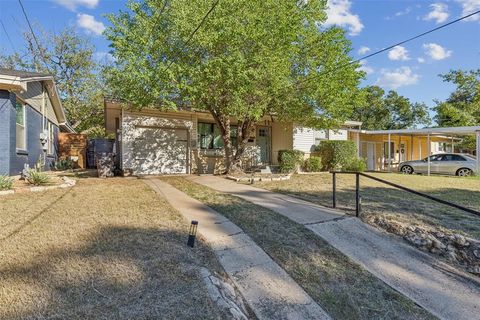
<point x="478" y="152"/>
<point x="411" y="147"/>
<point x="453" y="146"/>
<point x="358" y="145"/>
<point x="428" y="153"/>
<point x="389" y="153"/>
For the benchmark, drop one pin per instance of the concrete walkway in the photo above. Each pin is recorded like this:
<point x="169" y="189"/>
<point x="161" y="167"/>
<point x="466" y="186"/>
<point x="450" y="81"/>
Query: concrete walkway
<point x="269" y="290"/>
<point x="442" y="290"/>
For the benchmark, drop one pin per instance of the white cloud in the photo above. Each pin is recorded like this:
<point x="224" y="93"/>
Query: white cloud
<point x="404" y="12"/>
<point x="363" y="50"/>
<point x="88" y="22"/>
<point x="439" y="13"/>
<point x="367" y="69"/>
<point x="436" y="52"/>
<point x="338" y="13"/>
<point x="103" y="56"/>
<point x="397" y="78"/>
<point x="73" y="4"/>
<point x="421" y="60"/>
<point x="398" y="53"/>
<point x="470" y="6"/>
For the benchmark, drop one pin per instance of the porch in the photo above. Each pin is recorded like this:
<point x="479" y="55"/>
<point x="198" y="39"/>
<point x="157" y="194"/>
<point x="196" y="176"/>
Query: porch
<point x="385" y="149"/>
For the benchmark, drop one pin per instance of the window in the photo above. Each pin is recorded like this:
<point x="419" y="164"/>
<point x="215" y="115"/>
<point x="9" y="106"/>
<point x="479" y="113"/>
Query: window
<point x="20" y="126"/>
<point x="210" y="137"/>
<point x="444" y="147"/>
<point x="392" y="150"/>
<point x="456" y="157"/>
<point x="50" y="139"/>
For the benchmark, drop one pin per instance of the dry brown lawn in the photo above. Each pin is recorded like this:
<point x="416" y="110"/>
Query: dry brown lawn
<point x="341" y="287"/>
<point x="381" y="199"/>
<point x="105" y="249"/>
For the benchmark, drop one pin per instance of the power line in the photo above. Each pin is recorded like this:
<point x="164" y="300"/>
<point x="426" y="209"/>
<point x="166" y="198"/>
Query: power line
<point x="33" y="33"/>
<point x="8" y="36"/>
<point x="396" y="44"/>
<point x="196" y="29"/>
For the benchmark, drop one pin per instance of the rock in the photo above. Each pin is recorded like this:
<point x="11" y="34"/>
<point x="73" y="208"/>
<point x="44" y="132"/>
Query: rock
<point x="474" y="270"/>
<point x="440" y="235"/>
<point x="451" y="248"/>
<point x="437" y="244"/>
<point x="452" y="256"/>
<point x="476" y="253"/>
<point x="460" y="240"/>
<point x="6" y="192"/>
<point x="37" y="189"/>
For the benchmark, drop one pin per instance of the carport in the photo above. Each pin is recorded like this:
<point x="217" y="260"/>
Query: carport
<point x="418" y="136"/>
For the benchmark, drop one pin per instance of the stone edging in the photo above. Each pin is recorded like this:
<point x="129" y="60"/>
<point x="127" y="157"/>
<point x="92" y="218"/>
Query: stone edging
<point x="67" y="183"/>
<point x="258" y="179"/>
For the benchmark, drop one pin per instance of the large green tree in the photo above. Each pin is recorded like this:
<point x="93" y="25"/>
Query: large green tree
<point x="385" y="111"/>
<point x="248" y="59"/>
<point x="462" y="107"/>
<point x="70" y="59"/>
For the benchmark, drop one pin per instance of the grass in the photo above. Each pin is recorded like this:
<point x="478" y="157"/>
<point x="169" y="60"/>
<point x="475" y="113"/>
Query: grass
<point x="105" y="249"/>
<point x="392" y="203"/>
<point x="341" y="287"/>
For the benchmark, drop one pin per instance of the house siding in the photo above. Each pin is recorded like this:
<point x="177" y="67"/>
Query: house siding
<point x="7" y="130"/>
<point x="11" y="161"/>
<point x="33" y="96"/>
<point x="34" y="149"/>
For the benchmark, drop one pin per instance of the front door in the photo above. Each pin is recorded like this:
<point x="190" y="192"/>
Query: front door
<point x="370" y="156"/>
<point x="263" y="143"/>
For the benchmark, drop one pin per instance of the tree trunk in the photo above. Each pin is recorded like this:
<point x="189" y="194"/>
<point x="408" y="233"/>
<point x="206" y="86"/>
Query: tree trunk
<point x="233" y="154"/>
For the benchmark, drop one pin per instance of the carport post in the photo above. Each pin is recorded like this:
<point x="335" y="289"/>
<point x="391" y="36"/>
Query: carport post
<point x="389" y="153"/>
<point x="334" y="187"/>
<point x="428" y="153"/>
<point x="478" y="152"/>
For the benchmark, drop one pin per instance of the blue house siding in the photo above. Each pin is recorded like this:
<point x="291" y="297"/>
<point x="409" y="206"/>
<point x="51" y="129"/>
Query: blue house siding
<point x="11" y="161"/>
<point x="7" y="131"/>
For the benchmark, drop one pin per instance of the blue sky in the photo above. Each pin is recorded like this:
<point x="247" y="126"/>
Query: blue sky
<point x="412" y="69"/>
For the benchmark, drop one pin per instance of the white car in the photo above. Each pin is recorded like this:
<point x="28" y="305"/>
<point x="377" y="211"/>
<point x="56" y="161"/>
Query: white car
<point x="458" y="164"/>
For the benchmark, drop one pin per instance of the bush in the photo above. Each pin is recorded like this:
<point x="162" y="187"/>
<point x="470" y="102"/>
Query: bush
<point x="64" y="164"/>
<point x="6" y="183"/>
<point x="337" y="155"/>
<point x="313" y="164"/>
<point x="358" y="165"/>
<point x="37" y="178"/>
<point x="290" y="160"/>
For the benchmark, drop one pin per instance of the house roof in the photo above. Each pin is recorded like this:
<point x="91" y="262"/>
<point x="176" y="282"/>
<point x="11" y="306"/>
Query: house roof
<point x="22" y="74"/>
<point x="16" y="80"/>
<point x="425" y="131"/>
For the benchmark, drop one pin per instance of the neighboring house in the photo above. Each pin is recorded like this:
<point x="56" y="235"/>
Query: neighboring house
<point x="156" y="142"/>
<point x="406" y="144"/>
<point x="31" y="116"/>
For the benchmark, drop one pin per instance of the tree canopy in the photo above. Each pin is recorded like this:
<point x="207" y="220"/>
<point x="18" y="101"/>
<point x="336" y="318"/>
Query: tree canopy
<point x="385" y="111"/>
<point x="69" y="58"/>
<point x="247" y="60"/>
<point x="462" y="107"/>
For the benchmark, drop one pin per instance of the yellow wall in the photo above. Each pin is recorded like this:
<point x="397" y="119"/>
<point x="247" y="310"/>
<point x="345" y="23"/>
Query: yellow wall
<point x="415" y="147"/>
<point x="282" y="138"/>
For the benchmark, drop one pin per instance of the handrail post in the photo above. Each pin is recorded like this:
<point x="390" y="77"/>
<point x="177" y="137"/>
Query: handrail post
<point x="357" y="194"/>
<point x="334" y="194"/>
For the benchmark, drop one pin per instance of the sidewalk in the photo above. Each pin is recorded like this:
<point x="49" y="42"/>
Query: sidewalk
<point x="442" y="290"/>
<point x="269" y="290"/>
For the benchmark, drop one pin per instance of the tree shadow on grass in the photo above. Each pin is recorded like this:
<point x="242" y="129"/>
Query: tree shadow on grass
<point x="119" y="273"/>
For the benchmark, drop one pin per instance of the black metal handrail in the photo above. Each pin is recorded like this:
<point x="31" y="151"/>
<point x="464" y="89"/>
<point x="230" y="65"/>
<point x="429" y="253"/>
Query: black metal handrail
<point x="358" y="200"/>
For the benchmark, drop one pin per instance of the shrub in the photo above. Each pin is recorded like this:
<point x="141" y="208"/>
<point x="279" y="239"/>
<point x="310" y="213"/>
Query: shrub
<point x="313" y="164"/>
<point x="64" y="164"/>
<point x="290" y="160"/>
<point x="337" y="155"/>
<point x="6" y="183"/>
<point x="37" y="178"/>
<point x="357" y="164"/>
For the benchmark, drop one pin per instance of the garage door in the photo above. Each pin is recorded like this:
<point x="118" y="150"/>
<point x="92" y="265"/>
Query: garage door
<point x="160" y="151"/>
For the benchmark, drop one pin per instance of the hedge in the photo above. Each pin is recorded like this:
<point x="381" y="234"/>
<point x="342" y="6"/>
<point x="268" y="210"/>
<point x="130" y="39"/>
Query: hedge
<point x="337" y="154"/>
<point x="290" y="160"/>
<point x="313" y="164"/>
